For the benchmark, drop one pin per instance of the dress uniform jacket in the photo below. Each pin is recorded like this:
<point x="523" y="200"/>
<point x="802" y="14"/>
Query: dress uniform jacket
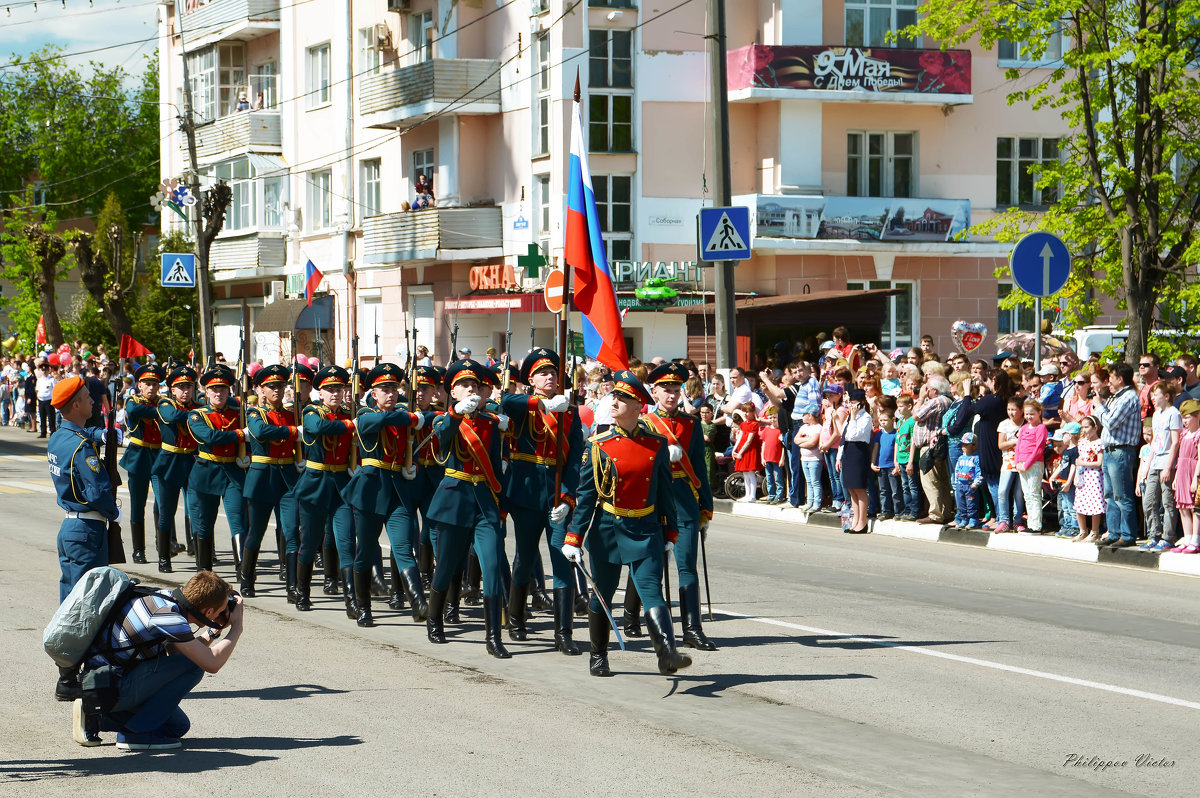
<point x="532" y="458"/>
<point x="216" y="435"/>
<point x="271" y="445"/>
<point x="378" y="483"/>
<point x="82" y="486"/>
<point x="328" y="436"/>
<point x="142" y="438"/>
<point x="689" y="477"/>
<point x="178" y="448"/>
<point x="471" y="483"/>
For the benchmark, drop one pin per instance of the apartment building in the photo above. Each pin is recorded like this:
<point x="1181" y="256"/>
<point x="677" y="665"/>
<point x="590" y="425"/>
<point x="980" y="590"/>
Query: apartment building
<point x="862" y="165"/>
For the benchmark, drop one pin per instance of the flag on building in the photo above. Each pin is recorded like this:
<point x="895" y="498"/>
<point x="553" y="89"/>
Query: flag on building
<point x="131" y="348"/>
<point x="312" y="279"/>
<point x="594" y="294"/>
<point x="41" y="330"/>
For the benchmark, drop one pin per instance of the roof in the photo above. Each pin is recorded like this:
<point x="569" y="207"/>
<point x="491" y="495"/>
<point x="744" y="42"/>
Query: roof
<point x="291" y="314"/>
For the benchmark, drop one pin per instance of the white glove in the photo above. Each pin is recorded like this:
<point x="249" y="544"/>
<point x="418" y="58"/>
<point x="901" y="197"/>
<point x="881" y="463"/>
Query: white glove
<point x="556" y="404"/>
<point x="704" y="532"/>
<point x="503" y="466"/>
<point x="243" y="462"/>
<point x="559" y="513"/>
<point x="466" y="407"/>
<point x="670" y="547"/>
<point x="409" y="473"/>
<point x="502" y="422"/>
<point x="676" y="452"/>
<point x="420" y="420"/>
<point x="120" y="514"/>
<point x="572" y="553"/>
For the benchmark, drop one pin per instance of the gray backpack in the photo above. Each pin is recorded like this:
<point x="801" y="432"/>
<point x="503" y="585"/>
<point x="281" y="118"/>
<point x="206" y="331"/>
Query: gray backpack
<point x="85" y="612"/>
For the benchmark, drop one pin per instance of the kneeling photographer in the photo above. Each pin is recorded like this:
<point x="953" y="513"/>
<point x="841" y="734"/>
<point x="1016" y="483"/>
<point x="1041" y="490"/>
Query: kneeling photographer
<point x="147" y="658"/>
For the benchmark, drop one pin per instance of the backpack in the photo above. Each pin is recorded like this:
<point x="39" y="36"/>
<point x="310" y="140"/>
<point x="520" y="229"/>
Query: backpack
<point x="86" y="611"/>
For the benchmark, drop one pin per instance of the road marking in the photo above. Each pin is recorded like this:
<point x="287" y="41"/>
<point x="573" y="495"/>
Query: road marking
<point x="27" y="486"/>
<point x="8" y="489"/>
<point x="983" y="663"/>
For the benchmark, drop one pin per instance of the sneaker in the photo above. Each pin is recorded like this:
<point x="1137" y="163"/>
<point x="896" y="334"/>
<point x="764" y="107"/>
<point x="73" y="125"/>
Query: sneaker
<point x="837" y="507"/>
<point x="1148" y="545"/>
<point x="85" y="728"/>
<point x="128" y="741"/>
<point x="1161" y="545"/>
<point x="1001" y="528"/>
<point x="1020" y="529"/>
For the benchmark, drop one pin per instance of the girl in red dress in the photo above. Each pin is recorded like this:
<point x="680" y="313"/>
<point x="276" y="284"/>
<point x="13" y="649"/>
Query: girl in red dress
<point x="746" y="450"/>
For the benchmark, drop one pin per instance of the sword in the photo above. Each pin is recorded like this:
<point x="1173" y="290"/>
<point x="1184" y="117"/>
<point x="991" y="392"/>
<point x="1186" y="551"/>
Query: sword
<point x="707" y="586"/>
<point x="667" y="577"/>
<point x="596" y="593"/>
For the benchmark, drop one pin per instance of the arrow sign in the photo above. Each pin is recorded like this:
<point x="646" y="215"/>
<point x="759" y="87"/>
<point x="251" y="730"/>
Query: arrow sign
<point x="1041" y="264"/>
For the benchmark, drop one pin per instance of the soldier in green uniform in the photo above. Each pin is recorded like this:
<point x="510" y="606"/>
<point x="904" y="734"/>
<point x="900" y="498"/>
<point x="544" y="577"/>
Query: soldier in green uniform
<point x="142" y="443"/>
<point x="176" y="456"/>
<point x="216" y="477"/>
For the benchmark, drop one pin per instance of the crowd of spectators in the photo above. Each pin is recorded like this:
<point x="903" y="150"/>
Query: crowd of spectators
<point x="27" y="381"/>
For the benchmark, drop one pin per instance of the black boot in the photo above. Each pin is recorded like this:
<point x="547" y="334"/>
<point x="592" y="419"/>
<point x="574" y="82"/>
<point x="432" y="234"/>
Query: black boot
<point x="238" y="544"/>
<point x="281" y="549"/>
<point x="319" y="560"/>
<point x="598" y="630"/>
<point x="410" y="580"/>
<point x="537" y="590"/>
<point x="425" y="564"/>
<point x="204" y="554"/>
<point x="329" y="566"/>
<point x="517" y="595"/>
<point x="248" y="573"/>
<point x="631" y="623"/>
<point x="581" y="594"/>
<point x="138" y="533"/>
<point x="564" y="620"/>
<point x="290" y="561"/>
<point x="493" y="606"/>
<point x="188" y="537"/>
<point x="396" y="593"/>
<point x="162" y="540"/>
<point x="689" y="608"/>
<point x="362" y="590"/>
<point x="662" y="635"/>
<point x="304" y="587"/>
<point x="379" y="588"/>
<point x="434" y="629"/>
<point x="471" y="592"/>
<point x="348" y="593"/>
<point x="68" y="688"/>
<point x="453" y="595"/>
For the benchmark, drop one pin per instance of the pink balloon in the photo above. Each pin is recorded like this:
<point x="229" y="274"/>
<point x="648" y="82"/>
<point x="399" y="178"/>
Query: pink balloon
<point x="64" y="349"/>
<point x="314" y="362"/>
<point x="52" y="358"/>
<point x="302" y="360"/>
<point x="253" y="368"/>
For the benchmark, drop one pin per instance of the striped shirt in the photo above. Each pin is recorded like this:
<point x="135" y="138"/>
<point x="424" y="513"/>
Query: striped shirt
<point x="145" y="626"/>
<point x="1121" y="417"/>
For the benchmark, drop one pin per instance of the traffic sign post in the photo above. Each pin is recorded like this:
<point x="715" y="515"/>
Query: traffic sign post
<point x="724" y="233"/>
<point x="178" y="270"/>
<point x="1040" y="264"/>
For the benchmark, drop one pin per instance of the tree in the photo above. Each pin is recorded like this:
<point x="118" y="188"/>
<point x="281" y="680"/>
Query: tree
<point x="161" y="317"/>
<point x="1128" y="180"/>
<point x="99" y="271"/>
<point x="33" y="257"/>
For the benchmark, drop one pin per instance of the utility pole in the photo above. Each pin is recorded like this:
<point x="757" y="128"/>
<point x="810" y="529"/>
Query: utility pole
<point x="726" y="318"/>
<point x="189" y="130"/>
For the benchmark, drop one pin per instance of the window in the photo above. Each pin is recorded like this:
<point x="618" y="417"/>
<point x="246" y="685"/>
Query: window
<point x="541" y="139"/>
<point x="320" y="200"/>
<point x="217" y="75"/>
<point x="611" y="3"/>
<point x="868" y="22"/>
<point x="899" y="313"/>
<point x="370" y="57"/>
<point x="319" y="90"/>
<point x="274" y="201"/>
<point x="880" y="164"/>
<point x="614" y="203"/>
<point x="257" y="202"/>
<point x="1009" y="51"/>
<point x="420" y="34"/>
<point x="610" y="127"/>
<point x="265" y="81"/>
<point x="1018" y="162"/>
<point x="370" y="324"/>
<point x="423" y="164"/>
<point x="610" y="59"/>
<point x="610" y="81"/>
<point x="372" y="195"/>
<point x="542" y="187"/>
<point x="1020" y="318"/>
<point x="39" y="191"/>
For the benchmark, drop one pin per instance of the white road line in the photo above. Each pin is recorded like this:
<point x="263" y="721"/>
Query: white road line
<point x="983" y="663"/>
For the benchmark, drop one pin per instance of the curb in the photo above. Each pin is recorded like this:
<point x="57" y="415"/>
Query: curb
<point x="1041" y="545"/>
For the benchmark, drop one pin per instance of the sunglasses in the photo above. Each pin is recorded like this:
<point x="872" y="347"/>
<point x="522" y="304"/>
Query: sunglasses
<point x="1145" y="365"/>
<point x="1081" y="382"/>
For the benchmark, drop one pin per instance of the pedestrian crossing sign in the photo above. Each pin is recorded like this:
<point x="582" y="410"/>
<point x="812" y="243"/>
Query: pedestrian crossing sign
<point x="724" y="233"/>
<point x="178" y="270"/>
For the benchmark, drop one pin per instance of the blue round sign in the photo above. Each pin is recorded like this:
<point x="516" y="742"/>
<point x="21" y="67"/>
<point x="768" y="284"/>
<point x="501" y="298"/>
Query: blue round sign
<point x="1040" y="264"/>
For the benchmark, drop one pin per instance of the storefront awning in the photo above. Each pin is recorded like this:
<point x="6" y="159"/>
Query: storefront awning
<point x="788" y="302"/>
<point x="292" y="314"/>
<point x="498" y="303"/>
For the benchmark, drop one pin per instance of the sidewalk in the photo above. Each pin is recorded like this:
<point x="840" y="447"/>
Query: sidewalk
<point x="1044" y="545"/>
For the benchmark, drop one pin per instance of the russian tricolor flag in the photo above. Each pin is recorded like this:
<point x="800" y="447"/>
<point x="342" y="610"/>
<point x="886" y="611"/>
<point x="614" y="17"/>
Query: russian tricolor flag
<point x="312" y="279"/>
<point x="594" y="294"/>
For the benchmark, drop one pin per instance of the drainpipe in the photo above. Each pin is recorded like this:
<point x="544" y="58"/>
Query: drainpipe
<point x="348" y="226"/>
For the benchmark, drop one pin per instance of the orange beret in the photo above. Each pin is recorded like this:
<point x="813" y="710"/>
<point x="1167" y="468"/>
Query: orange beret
<point x="64" y="390"/>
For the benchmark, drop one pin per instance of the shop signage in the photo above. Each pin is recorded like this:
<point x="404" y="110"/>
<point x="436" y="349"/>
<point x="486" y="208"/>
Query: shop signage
<point x="877" y="69"/>
<point x="634" y="272"/>
<point x="862" y="218"/>
<point x="491" y="277"/>
<point x="634" y="304"/>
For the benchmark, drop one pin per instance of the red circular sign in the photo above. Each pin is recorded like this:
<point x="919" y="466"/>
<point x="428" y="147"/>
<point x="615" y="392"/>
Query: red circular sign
<point x="554" y="290"/>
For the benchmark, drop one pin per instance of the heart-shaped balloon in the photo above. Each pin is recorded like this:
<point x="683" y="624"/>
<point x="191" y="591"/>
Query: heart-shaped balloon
<point x="968" y="335"/>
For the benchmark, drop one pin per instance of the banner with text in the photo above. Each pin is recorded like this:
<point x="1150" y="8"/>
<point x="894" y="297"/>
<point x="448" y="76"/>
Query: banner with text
<point x="876" y="69"/>
<point x="862" y="218"/>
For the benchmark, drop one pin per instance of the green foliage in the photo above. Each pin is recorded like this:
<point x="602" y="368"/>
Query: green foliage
<point x="19" y="267"/>
<point x="159" y="316"/>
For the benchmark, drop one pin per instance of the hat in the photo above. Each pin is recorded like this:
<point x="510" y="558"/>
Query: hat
<point x="811" y="410"/>
<point x="426" y="375"/>
<point x="219" y="374"/>
<point x="1001" y="356"/>
<point x="1048" y="370"/>
<point x="1174" y="372"/>
<point x="300" y="370"/>
<point x="896" y="354"/>
<point x="271" y="375"/>
<point x="856" y="395"/>
<point x="464" y="353"/>
<point x="1189" y="407"/>
<point x="331" y="377"/>
<point x="65" y="390"/>
<point x="832" y="387"/>
<point x="537" y="359"/>
<point x="385" y="374"/>
<point x="669" y="374"/>
<point x="827" y="345"/>
<point x="181" y="374"/>
<point x="1072" y="427"/>
<point x="1058" y="435"/>
<point x="968" y="438"/>
<point x="627" y="384"/>
<point x="467" y="369"/>
<point x="150" y="372"/>
<point x="513" y="374"/>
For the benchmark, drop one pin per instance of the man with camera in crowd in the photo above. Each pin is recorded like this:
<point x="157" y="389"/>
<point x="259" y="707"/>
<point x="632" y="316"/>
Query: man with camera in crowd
<point x="143" y="663"/>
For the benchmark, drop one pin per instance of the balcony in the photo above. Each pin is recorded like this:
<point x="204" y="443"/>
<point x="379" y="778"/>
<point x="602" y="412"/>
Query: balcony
<point x="447" y="85"/>
<point x="239" y="134"/>
<point x="247" y="256"/>
<point x="433" y="234"/>
<point x="762" y="73"/>
<point x="204" y="23"/>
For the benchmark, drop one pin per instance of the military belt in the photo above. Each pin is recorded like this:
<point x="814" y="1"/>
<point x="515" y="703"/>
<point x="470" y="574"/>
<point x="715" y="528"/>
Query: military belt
<point x="314" y="465"/>
<point x="627" y="512"/>
<point x="384" y="464"/>
<point x="143" y="444"/>
<point x="216" y="458"/>
<point x="166" y="447"/>
<point x="534" y="458"/>
<point x="474" y="479"/>
<point x="264" y="460"/>
<point x="90" y="515"/>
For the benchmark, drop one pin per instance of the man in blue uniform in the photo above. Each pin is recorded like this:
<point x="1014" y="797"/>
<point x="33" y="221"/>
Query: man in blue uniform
<point x="84" y="492"/>
<point x="626" y="511"/>
<point x="176" y="455"/>
<point x="534" y="473"/>
<point x="142" y="444"/>
<point x="689" y="485"/>
<point x="216" y="478"/>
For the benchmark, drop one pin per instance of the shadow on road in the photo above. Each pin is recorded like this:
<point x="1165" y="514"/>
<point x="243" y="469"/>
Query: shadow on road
<point x="122" y="764"/>
<point x="845" y="642"/>
<point x="284" y="692"/>
<point x="713" y="686"/>
<point x="270" y="743"/>
<point x="29" y="445"/>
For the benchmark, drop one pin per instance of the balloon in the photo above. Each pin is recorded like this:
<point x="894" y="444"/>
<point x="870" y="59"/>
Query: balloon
<point x="968" y="336"/>
<point x="64" y="349"/>
<point x="253" y="368"/>
<point x="314" y="363"/>
<point x="302" y="360"/>
<point x="52" y="358"/>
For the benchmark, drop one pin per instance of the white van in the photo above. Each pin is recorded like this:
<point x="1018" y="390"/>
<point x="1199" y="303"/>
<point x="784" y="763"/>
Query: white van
<point x="1096" y="338"/>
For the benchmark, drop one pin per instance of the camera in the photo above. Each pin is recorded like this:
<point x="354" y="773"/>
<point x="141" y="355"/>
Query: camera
<point x="229" y="607"/>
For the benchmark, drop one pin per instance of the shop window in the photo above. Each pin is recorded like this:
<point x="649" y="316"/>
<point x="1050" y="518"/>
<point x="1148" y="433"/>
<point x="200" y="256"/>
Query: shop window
<point x="900" y="328"/>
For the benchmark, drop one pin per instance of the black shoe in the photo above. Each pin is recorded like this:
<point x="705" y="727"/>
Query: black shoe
<point x="348" y="593"/>
<point x="281" y="550"/>
<point x="410" y="581"/>
<point x="290" y="561"/>
<point x="137" y="533"/>
<point x="492" y="609"/>
<point x="425" y="564"/>
<point x="304" y="587"/>
<point x="662" y="636"/>
<point x="68" y="687"/>
<point x="329" y="567"/>
<point x="362" y="591"/>
<point x="472" y="594"/>
<point x="537" y="591"/>
<point x="248" y="572"/>
<point x="395" y="590"/>
<point x="598" y="629"/>
<point x="517" y="596"/>
<point x="139" y="556"/>
<point x="378" y="588"/>
<point x="434" y="629"/>
<point x="564" y="621"/>
<point x="689" y="609"/>
<point x="162" y="539"/>
<point x="1123" y="544"/>
<point x="581" y="594"/>
<point x="204" y="554"/>
<point x="631" y="623"/>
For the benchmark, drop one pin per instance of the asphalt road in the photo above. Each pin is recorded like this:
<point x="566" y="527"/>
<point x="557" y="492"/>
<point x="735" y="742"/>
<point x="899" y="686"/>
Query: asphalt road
<point x="848" y="666"/>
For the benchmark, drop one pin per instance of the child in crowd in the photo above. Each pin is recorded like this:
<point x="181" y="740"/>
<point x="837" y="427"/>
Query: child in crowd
<point x="1155" y="483"/>
<point x="883" y="463"/>
<point x="746" y="449"/>
<point x="1063" y="478"/>
<point x="1031" y="463"/>
<point x="1185" y="479"/>
<point x="908" y="481"/>
<point x="708" y="430"/>
<point x="1089" y="482"/>
<point x="1011" y="501"/>
<point x="772" y="457"/>
<point x="967" y="480"/>
<point x="808" y="438"/>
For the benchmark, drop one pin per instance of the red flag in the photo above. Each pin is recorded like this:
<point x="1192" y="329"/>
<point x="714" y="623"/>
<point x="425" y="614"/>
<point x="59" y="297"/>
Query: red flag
<point x="191" y="355"/>
<point x="41" y="330"/>
<point x="131" y="348"/>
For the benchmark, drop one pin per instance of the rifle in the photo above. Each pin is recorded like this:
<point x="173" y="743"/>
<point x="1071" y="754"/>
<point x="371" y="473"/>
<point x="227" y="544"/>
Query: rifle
<point x="454" y="334"/>
<point x="504" y="379"/>
<point x="116" y="548"/>
<point x="352" y="458"/>
<point x="412" y="389"/>
<point x="296" y="409"/>
<point x="242" y="364"/>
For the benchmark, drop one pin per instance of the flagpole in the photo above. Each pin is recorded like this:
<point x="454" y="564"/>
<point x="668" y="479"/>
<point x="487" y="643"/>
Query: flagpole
<point x="562" y="350"/>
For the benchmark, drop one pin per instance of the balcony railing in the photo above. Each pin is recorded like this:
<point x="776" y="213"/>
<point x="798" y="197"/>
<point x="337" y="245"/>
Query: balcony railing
<point x="850" y="74"/>
<point x="207" y="21"/>
<point x="433" y="234"/>
<point x="239" y="133"/>
<point x="460" y="85"/>
<point x="258" y="252"/>
<point x="889" y="219"/>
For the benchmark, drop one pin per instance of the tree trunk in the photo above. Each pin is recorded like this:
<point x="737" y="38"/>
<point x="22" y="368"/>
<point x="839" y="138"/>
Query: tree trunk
<point x="105" y="291"/>
<point x="49" y="250"/>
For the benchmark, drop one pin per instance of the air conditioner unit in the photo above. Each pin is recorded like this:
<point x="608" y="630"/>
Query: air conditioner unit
<point x="399" y="6"/>
<point x="381" y="37"/>
<point x="277" y="290"/>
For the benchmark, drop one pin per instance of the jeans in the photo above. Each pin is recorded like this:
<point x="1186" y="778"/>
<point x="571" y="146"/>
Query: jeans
<point x="872" y="496"/>
<point x="891" y="493"/>
<point x="1120" y="472"/>
<point x="774" y="487"/>
<point x="5" y="411"/>
<point x="835" y="478"/>
<point x="812" y="478"/>
<point x="1158" y="506"/>
<point x="993" y="494"/>
<point x="1031" y="489"/>
<point x="911" y="492"/>
<point x="967" y="500"/>
<point x="48" y="416"/>
<point x="1066" y="511"/>
<point x="149" y="696"/>
<point x="796" y="479"/>
<point x="1012" y="499"/>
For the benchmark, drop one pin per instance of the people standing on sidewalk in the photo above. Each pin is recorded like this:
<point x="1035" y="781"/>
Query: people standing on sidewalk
<point x="1012" y="502"/>
<point x="808" y="442"/>
<point x="1185" y="479"/>
<point x="1121" y="420"/>
<point x="772" y="457"/>
<point x="746" y="448"/>
<point x="854" y="459"/>
<point x="909" y="485"/>
<point x="1156" y="484"/>
<point x="932" y="403"/>
<point x="1089" y="482"/>
<point x="968" y="479"/>
<point x="1030" y="462"/>
<point x="1063" y="478"/>
<point x="45" y="391"/>
<point x="833" y="418"/>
